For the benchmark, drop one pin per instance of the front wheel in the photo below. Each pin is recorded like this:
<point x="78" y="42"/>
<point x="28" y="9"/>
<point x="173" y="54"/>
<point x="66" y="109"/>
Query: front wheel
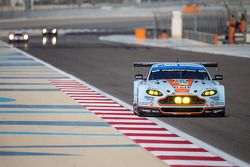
<point x="137" y="112"/>
<point x="221" y="114"/>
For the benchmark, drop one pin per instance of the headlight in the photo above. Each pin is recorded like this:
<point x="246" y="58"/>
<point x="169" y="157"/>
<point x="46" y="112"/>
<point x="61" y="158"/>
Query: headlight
<point x="11" y="36"/>
<point x="26" y="37"/>
<point x="54" y="31"/>
<point x="178" y="100"/>
<point x="182" y="100"/>
<point x="186" y="100"/>
<point x="209" y="93"/>
<point x="154" y="92"/>
<point x="44" y="30"/>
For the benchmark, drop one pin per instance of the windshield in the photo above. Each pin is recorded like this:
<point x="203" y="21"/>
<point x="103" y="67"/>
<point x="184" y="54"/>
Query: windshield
<point x="179" y="74"/>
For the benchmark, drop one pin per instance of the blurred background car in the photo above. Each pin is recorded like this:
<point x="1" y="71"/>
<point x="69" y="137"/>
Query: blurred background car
<point x="49" y="31"/>
<point x="18" y="37"/>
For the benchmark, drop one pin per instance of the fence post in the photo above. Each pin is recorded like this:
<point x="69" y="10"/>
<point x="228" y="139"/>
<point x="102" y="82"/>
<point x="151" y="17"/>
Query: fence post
<point x="176" y="25"/>
<point x="28" y="5"/>
<point x="156" y="26"/>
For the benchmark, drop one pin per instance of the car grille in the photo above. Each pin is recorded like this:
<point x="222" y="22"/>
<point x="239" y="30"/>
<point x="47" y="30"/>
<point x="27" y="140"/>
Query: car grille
<point x="170" y="100"/>
<point x="183" y="110"/>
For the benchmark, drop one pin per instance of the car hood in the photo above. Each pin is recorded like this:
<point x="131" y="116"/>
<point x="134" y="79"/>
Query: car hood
<point x="180" y="86"/>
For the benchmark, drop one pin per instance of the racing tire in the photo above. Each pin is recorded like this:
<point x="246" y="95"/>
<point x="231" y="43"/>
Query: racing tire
<point x="221" y="114"/>
<point x="137" y="112"/>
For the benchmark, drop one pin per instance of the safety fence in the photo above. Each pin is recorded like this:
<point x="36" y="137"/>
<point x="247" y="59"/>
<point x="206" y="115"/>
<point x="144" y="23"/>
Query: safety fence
<point x="209" y="21"/>
<point x="201" y="36"/>
<point x="209" y="24"/>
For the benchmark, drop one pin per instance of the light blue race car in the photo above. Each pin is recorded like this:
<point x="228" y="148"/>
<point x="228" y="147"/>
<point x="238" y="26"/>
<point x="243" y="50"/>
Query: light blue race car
<point x="181" y="88"/>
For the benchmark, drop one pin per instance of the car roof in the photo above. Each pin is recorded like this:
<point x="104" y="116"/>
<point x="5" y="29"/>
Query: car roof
<point x="183" y="65"/>
<point x="18" y="32"/>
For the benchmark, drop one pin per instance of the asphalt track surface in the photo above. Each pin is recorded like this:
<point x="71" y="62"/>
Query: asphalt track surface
<point x="108" y="66"/>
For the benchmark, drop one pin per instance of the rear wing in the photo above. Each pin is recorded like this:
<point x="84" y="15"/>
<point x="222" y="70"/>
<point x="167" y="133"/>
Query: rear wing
<point x="144" y="64"/>
<point x="149" y="64"/>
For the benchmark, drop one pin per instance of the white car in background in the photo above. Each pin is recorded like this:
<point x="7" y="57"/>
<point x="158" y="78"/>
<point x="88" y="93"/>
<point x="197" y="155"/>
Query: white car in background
<point x="18" y="37"/>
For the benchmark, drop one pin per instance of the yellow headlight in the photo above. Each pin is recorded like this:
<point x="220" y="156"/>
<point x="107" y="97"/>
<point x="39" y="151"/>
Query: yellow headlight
<point x="154" y="92"/>
<point x="212" y="92"/>
<point x="186" y="100"/>
<point x="151" y="92"/>
<point x="209" y="93"/>
<point x="178" y="100"/>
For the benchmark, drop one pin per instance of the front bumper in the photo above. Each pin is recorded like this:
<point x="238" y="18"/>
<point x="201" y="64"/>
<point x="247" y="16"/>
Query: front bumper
<point x="153" y="111"/>
<point x="18" y="41"/>
<point x="49" y="34"/>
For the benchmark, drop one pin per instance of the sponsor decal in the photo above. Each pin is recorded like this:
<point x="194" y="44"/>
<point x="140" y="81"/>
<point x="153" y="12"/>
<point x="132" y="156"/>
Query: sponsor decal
<point x="181" y="82"/>
<point x="143" y="103"/>
<point x="151" y="103"/>
<point x="219" y="103"/>
<point x="212" y="103"/>
<point x="149" y="97"/>
<point x="181" y="85"/>
<point x="215" y="98"/>
<point x="208" y="111"/>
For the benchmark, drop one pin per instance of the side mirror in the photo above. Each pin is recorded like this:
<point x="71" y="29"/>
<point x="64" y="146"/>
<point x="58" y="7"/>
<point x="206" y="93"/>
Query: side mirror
<point x="138" y="76"/>
<point x="218" y="77"/>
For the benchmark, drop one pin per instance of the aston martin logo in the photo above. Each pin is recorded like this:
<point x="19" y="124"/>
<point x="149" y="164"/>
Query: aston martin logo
<point x="181" y="85"/>
<point x="181" y="82"/>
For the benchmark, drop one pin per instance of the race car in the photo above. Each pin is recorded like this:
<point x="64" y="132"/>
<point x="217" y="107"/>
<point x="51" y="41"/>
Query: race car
<point x="18" y="37"/>
<point x="179" y="88"/>
<point x="49" y="31"/>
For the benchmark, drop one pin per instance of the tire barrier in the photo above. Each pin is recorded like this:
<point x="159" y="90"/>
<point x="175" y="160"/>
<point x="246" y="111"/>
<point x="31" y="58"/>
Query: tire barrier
<point x="201" y="36"/>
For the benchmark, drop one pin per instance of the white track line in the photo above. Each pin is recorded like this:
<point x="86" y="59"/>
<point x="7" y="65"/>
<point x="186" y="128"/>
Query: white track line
<point x="156" y="138"/>
<point x="144" y="132"/>
<point x="138" y="126"/>
<point x="183" y="153"/>
<point x="198" y="163"/>
<point x="168" y="145"/>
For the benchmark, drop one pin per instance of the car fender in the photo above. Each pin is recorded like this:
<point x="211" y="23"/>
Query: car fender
<point x="137" y="84"/>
